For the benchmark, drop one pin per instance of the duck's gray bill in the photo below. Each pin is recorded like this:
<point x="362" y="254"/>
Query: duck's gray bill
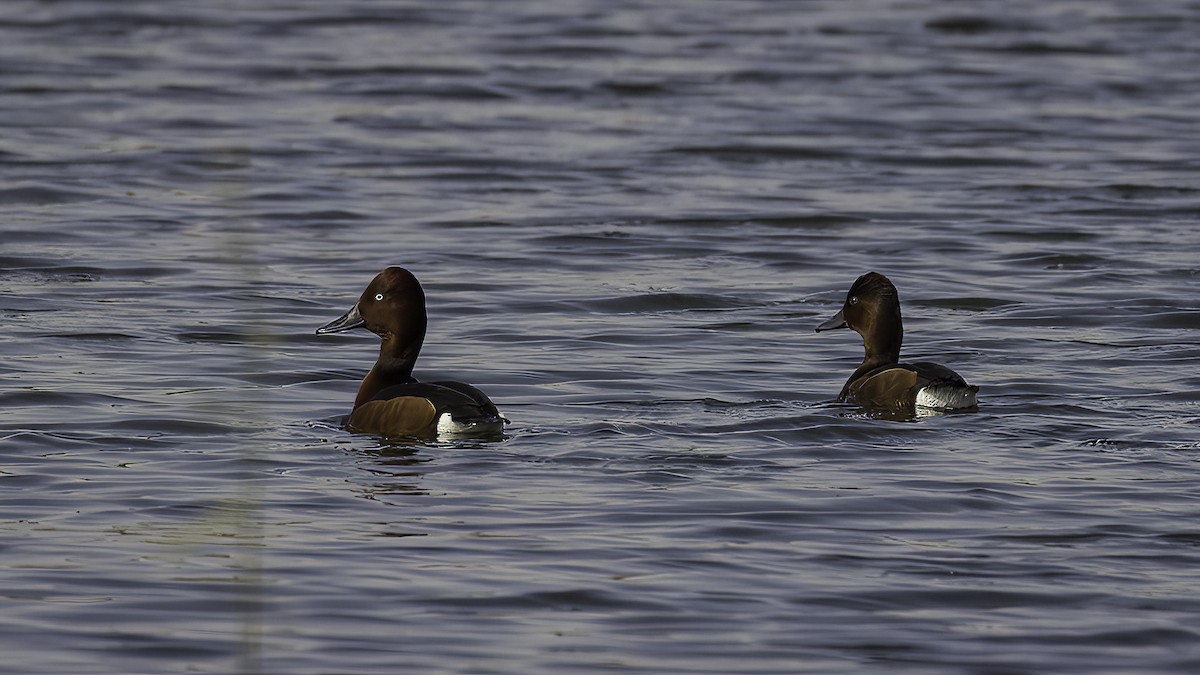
<point x="347" y="321"/>
<point x="838" y="321"/>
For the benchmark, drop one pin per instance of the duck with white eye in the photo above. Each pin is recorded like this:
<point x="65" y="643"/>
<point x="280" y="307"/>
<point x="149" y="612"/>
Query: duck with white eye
<point x="872" y="309"/>
<point x="390" y="401"/>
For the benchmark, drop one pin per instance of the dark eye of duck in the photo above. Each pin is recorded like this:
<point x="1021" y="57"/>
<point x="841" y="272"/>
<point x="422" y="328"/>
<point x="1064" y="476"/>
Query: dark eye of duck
<point x="853" y="300"/>
<point x="378" y="297"/>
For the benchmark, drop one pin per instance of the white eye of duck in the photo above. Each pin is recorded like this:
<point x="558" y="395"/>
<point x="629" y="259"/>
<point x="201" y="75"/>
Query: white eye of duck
<point x="378" y="297"/>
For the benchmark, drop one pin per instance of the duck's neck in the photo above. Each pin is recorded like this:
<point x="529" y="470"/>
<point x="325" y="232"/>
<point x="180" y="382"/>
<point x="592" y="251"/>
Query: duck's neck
<point x="394" y="366"/>
<point x="881" y="347"/>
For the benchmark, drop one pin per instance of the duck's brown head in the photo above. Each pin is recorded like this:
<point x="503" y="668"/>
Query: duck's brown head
<point x="872" y="309"/>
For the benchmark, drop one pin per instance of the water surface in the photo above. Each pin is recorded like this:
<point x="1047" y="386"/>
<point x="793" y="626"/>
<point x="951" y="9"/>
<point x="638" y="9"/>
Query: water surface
<point x="628" y="218"/>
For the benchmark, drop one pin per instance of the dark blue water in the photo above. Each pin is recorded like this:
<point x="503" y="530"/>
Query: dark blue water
<point x="628" y="218"/>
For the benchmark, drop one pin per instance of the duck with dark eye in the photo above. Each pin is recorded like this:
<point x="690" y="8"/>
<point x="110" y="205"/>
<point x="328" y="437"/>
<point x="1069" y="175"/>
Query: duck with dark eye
<point x="391" y="402"/>
<point x="872" y="309"/>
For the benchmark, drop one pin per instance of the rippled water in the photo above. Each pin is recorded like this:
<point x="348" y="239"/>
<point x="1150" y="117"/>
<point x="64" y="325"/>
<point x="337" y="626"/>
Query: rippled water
<point x="628" y="218"/>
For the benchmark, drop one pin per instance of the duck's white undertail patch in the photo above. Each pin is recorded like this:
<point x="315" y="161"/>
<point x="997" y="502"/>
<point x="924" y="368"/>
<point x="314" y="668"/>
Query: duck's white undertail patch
<point x="946" y="397"/>
<point x="448" y="426"/>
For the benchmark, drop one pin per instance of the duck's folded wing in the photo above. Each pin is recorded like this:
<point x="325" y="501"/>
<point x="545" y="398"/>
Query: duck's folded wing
<point x="480" y="407"/>
<point x="485" y="406"/>
<point x="936" y="374"/>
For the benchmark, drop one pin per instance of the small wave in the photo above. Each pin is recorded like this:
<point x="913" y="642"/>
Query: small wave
<point x="661" y="302"/>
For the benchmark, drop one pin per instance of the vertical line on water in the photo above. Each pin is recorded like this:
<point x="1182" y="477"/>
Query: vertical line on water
<point x="245" y="412"/>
